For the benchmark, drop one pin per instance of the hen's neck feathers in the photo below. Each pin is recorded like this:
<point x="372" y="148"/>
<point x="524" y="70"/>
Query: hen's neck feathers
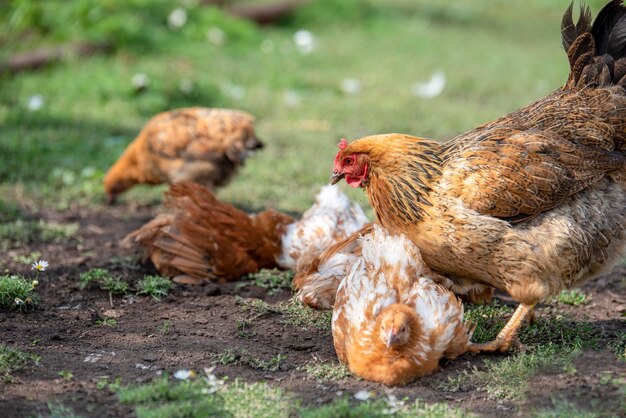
<point x="402" y="171"/>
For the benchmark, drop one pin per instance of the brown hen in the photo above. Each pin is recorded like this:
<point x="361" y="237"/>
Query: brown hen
<point x="194" y="144"/>
<point x="202" y="239"/>
<point x="531" y="203"/>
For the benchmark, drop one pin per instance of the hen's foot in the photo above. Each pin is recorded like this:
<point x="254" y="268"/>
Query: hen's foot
<point x="508" y="336"/>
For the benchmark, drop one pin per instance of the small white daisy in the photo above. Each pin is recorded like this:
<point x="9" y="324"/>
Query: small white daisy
<point x="40" y="265"/>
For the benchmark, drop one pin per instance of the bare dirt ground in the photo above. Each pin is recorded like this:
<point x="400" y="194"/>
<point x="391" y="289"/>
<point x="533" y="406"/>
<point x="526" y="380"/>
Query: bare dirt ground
<point x="192" y="326"/>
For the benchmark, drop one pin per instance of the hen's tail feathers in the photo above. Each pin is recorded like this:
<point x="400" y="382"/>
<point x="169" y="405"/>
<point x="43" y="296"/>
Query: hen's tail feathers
<point x="596" y="53"/>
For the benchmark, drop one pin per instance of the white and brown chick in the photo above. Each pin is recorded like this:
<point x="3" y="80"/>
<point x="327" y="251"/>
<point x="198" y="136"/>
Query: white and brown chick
<point x="391" y="322"/>
<point x="196" y="144"/>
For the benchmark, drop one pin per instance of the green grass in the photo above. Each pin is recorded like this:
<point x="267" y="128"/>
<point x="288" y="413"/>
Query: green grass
<point x="273" y="280"/>
<point x="203" y="398"/>
<point x="29" y="258"/>
<point x="21" y="232"/>
<point x="510" y="56"/>
<point x="156" y="286"/>
<point x="489" y="320"/>
<point x="510" y="377"/>
<point x="66" y="375"/>
<point x="59" y="410"/>
<point x="330" y="370"/>
<point x="105" y="280"/>
<point x="12" y="360"/>
<point x="573" y="297"/>
<point x="17" y="293"/>
<point x="559" y="330"/>
<point x="210" y="396"/>
<point x="244" y="357"/>
<point x="108" y="322"/>
<point x="292" y="311"/>
<point x="389" y="406"/>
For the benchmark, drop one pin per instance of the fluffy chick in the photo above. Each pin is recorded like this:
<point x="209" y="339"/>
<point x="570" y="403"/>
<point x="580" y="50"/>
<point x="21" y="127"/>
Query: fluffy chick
<point x="192" y="144"/>
<point x="391" y="322"/>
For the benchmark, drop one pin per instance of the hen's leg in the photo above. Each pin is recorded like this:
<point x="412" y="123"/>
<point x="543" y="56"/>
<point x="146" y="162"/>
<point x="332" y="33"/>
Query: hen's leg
<point x="508" y="335"/>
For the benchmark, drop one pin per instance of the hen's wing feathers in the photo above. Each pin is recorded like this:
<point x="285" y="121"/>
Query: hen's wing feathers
<point x="197" y="133"/>
<point x="523" y="173"/>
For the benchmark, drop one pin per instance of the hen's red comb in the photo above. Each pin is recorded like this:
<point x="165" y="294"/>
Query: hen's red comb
<point x="343" y="144"/>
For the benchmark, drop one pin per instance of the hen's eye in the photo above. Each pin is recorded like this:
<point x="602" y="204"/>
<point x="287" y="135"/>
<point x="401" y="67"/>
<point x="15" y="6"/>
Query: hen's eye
<point x="348" y="160"/>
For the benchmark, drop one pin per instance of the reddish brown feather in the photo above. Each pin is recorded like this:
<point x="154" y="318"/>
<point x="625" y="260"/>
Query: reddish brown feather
<point x="206" y="239"/>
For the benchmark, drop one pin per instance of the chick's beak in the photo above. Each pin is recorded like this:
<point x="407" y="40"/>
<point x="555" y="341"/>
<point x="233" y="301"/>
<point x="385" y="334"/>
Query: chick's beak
<point x="336" y="177"/>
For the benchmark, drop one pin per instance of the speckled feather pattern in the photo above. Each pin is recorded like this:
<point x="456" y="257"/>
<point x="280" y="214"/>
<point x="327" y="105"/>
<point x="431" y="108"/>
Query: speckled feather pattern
<point x="389" y="273"/>
<point x="202" y="145"/>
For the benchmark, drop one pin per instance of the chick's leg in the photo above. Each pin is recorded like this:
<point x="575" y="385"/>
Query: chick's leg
<point x="508" y="335"/>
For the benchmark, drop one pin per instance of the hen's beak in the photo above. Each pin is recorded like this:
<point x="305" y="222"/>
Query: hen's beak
<point x="336" y="177"/>
<point x="111" y="199"/>
<point x="391" y="338"/>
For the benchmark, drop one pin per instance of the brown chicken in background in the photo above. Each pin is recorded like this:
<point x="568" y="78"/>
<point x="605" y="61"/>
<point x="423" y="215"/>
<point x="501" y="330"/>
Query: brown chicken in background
<point x="532" y="203"/>
<point x="202" y="239"/>
<point x="196" y="144"/>
<point x="391" y="322"/>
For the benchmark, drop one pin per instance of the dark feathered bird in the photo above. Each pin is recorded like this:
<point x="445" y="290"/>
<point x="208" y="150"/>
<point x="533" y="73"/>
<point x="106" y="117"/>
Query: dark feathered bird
<point x="531" y="203"/>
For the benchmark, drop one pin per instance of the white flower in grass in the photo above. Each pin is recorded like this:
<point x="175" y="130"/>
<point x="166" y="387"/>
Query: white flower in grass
<point x="350" y="86"/>
<point x="177" y="18"/>
<point x="40" y="265"/>
<point x="305" y="41"/>
<point x="35" y="102"/>
<point x="363" y="395"/>
<point x="18" y="302"/>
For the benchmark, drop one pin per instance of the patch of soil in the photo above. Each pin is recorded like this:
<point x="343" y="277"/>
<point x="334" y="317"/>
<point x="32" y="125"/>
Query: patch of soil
<point x="194" y="325"/>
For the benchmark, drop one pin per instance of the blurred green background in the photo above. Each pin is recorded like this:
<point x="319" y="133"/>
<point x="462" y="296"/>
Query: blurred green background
<point x="332" y="68"/>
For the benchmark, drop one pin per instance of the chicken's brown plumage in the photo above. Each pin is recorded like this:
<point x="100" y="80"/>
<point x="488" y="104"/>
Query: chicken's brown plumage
<point x="193" y="144"/>
<point x="201" y="239"/>
<point x="531" y="203"/>
<point x="391" y="322"/>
